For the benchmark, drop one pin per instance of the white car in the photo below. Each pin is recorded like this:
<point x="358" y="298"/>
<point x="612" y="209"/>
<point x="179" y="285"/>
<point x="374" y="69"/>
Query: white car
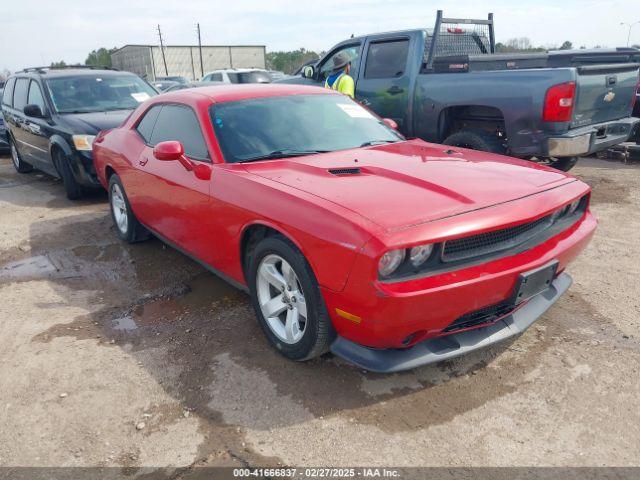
<point x="238" y="75"/>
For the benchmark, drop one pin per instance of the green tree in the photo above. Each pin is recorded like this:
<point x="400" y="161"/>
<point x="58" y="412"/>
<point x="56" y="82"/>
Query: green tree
<point x="289" y="62"/>
<point x="566" y="45"/>
<point x="60" y="64"/>
<point x="100" y="57"/>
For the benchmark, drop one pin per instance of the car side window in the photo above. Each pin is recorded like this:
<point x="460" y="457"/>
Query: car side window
<point x="179" y="122"/>
<point x="233" y="77"/>
<point x="145" y="126"/>
<point x="20" y="93"/>
<point x="7" y="97"/>
<point x="216" y="77"/>
<point x="35" y="96"/>
<point x="352" y="51"/>
<point x="386" y="59"/>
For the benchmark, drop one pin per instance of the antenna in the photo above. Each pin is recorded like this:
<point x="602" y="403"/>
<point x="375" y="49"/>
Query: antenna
<point x="164" y="60"/>
<point x="200" y="48"/>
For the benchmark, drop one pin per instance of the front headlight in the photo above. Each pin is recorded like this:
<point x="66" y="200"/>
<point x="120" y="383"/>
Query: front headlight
<point x="83" y="142"/>
<point x="390" y="262"/>
<point x="418" y="255"/>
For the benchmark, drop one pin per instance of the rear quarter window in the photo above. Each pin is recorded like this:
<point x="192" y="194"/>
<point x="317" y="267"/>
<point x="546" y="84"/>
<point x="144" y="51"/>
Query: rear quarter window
<point x="20" y="93"/>
<point x="7" y="98"/>
<point x="148" y="121"/>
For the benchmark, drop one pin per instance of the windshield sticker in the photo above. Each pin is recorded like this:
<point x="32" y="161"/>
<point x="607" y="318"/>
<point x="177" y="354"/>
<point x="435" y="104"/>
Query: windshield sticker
<point x="355" y="111"/>
<point x="141" y="96"/>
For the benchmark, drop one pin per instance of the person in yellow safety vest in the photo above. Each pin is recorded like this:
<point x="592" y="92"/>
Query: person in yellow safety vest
<point x="339" y="79"/>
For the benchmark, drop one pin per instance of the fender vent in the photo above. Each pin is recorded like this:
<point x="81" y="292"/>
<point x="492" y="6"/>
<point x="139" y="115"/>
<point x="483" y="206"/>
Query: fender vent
<point x="344" y="171"/>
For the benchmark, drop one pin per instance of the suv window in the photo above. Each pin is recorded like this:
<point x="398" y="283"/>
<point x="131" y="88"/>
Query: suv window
<point x="179" y="122"/>
<point x="145" y="126"/>
<point x="20" y="93"/>
<point x="7" y="98"/>
<point x="216" y="77"/>
<point x="35" y="96"/>
<point x="386" y="59"/>
<point x="353" y="51"/>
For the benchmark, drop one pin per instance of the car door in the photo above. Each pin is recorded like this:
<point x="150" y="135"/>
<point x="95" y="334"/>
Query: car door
<point x="325" y="67"/>
<point x="18" y="120"/>
<point x="168" y="197"/>
<point x="384" y="83"/>
<point x="37" y="130"/>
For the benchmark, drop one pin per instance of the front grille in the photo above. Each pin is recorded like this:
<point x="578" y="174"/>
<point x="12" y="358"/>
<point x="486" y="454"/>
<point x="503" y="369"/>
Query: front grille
<point x="484" y="315"/>
<point x="484" y="243"/>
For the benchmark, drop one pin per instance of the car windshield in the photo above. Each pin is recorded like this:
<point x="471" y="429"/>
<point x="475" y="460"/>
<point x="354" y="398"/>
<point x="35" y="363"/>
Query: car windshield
<point x="277" y="127"/>
<point x="96" y="93"/>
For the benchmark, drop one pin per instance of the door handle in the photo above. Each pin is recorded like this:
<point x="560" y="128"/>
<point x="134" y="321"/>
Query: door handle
<point x="394" y="90"/>
<point x="143" y="161"/>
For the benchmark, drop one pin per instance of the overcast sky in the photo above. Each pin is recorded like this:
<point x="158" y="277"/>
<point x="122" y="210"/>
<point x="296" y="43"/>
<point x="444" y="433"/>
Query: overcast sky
<point x="37" y="32"/>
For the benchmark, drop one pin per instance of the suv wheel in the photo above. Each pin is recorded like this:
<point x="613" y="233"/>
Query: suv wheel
<point x="126" y="223"/>
<point x="20" y="165"/>
<point x="72" y="187"/>
<point x="287" y="300"/>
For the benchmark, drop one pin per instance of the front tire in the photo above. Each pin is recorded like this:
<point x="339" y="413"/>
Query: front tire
<point x="72" y="187"/>
<point x="287" y="300"/>
<point x="20" y="165"/>
<point x="127" y="225"/>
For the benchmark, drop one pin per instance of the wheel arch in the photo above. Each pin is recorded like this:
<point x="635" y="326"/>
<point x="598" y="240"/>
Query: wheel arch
<point x="253" y="232"/>
<point x="455" y="117"/>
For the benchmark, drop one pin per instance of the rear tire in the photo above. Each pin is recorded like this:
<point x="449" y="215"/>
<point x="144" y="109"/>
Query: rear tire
<point x="127" y="225"/>
<point x="20" y="165"/>
<point x="72" y="187"/>
<point x="476" y="140"/>
<point x="282" y="283"/>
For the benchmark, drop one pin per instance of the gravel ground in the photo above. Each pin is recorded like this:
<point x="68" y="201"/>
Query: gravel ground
<point x="130" y="356"/>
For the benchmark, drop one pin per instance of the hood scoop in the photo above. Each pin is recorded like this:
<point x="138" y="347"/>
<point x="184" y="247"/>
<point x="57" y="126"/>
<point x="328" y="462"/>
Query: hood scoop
<point x="344" y="171"/>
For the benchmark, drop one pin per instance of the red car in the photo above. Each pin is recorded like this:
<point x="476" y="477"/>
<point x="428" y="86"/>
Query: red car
<point x="391" y="253"/>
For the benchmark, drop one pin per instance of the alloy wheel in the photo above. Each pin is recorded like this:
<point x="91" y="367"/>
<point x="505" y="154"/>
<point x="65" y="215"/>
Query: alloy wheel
<point x="281" y="299"/>
<point x="14" y="155"/>
<point x="119" y="207"/>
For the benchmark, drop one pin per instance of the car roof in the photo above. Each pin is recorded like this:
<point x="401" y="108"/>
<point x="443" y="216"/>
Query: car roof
<point x="70" y="72"/>
<point x="234" y="92"/>
<point x="236" y="70"/>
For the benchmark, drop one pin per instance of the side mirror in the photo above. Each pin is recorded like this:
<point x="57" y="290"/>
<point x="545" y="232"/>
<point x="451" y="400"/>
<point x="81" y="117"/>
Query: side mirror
<point x="33" y="110"/>
<point x="168" y="151"/>
<point x="308" y="71"/>
<point x="390" y="123"/>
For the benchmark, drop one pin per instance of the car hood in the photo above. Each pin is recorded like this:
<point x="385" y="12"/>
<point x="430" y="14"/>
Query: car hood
<point x="92" y="123"/>
<point x="413" y="182"/>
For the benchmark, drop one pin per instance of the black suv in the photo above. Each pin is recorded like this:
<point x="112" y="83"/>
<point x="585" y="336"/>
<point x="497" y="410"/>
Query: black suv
<point x="52" y="116"/>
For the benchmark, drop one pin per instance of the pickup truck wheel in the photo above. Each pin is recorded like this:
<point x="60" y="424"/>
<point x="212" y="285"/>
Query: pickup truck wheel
<point x="565" y="163"/>
<point x="287" y="300"/>
<point x="20" y="165"/>
<point x="476" y="140"/>
<point x="127" y="225"/>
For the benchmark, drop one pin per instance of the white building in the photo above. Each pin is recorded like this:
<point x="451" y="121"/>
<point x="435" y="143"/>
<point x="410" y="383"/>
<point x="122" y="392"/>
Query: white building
<point x="184" y="60"/>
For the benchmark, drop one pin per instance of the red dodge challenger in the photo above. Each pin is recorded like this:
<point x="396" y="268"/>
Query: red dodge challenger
<point x="391" y="253"/>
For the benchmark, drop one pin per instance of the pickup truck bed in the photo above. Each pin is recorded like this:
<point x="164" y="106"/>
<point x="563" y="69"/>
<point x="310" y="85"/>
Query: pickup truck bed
<point x="448" y="85"/>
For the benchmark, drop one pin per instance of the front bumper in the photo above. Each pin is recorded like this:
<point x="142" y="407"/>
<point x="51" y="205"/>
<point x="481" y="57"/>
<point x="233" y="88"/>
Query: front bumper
<point x="444" y="348"/>
<point x="591" y="139"/>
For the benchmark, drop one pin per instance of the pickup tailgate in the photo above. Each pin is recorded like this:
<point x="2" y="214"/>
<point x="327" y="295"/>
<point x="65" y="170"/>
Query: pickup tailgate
<point x="604" y="93"/>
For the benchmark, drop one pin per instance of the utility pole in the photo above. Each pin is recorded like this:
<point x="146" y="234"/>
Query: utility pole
<point x="630" y="25"/>
<point x="200" y="48"/>
<point x="164" y="60"/>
